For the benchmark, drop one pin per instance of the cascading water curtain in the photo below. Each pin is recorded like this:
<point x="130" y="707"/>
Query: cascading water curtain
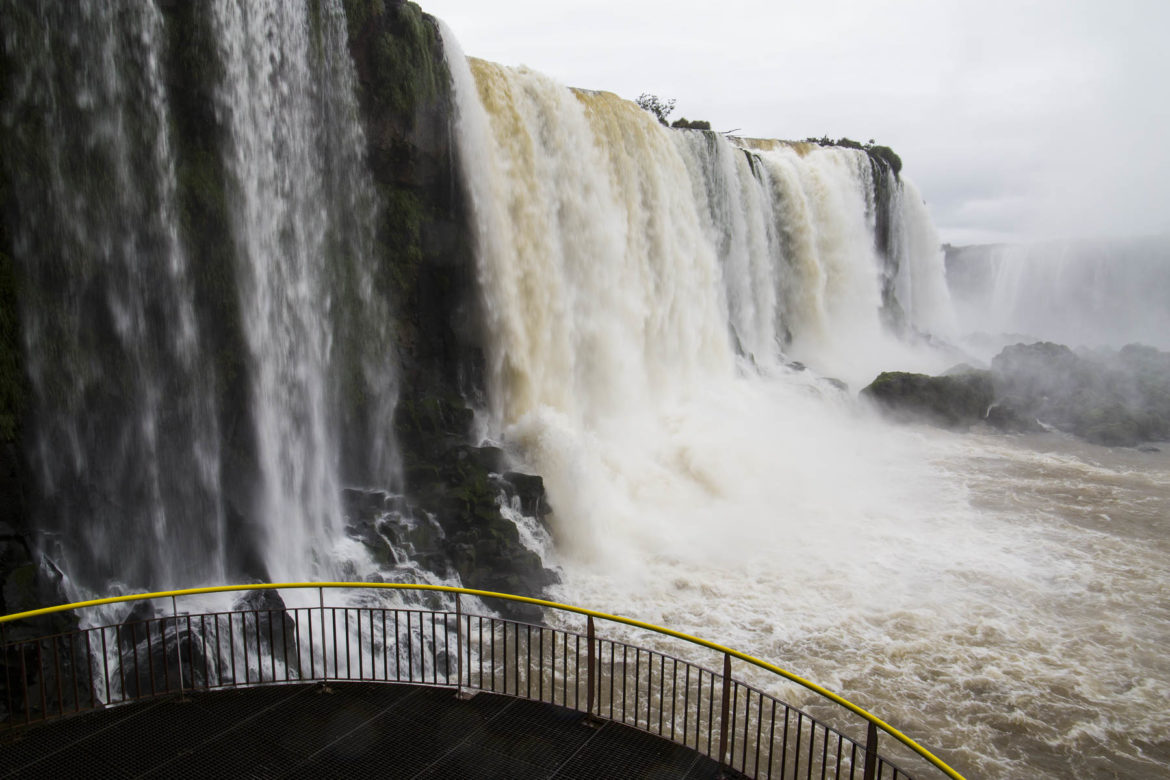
<point x="199" y="404"/>
<point x="125" y="442"/>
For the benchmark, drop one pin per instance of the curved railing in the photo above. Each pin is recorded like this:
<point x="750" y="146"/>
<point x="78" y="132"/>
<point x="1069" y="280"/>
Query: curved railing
<point x="738" y="725"/>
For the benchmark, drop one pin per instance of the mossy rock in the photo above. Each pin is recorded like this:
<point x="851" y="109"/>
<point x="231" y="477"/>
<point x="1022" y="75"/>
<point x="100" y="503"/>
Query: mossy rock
<point x="957" y="401"/>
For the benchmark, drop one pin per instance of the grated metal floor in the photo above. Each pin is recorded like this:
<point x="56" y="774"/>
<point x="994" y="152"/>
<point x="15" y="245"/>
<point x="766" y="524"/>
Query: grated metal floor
<point x="345" y="730"/>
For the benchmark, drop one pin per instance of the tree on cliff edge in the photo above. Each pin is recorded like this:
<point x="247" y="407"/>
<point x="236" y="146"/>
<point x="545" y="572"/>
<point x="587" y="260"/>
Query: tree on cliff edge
<point x="656" y="106"/>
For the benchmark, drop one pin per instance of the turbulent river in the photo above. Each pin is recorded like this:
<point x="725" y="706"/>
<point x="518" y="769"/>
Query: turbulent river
<point x="1002" y="597"/>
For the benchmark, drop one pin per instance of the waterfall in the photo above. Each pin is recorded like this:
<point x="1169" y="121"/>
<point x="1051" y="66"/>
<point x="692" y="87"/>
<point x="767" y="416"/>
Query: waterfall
<point x="917" y="255"/>
<point x="601" y="290"/>
<point x="647" y="290"/>
<point x="303" y="223"/>
<point x="126" y="444"/>
<point x="173" y="444"/>
<point x="1086" y="293"/>
<point x="620" y="256"/>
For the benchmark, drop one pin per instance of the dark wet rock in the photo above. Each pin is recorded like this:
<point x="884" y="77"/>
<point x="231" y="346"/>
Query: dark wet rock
<point x="1005" y="415"/>
<point x="529" y="490"/>
<point x="1114" y="398"/>
<point x="38" y="673"/>
<point x="271" y="632"/>
<point x="1117" y="398"/>
<point x="160" y="653"/>
<point x="956" y="401"/>
<point x="451" y="519"/>
<point x="837" y="383"/>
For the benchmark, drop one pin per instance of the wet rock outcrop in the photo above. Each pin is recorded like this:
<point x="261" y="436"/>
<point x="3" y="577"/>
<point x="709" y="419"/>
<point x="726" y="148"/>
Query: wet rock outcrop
<point x="1117" y="398"/>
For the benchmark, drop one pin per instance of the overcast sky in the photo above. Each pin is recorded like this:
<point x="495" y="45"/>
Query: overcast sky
<point x="1018" y="119"/>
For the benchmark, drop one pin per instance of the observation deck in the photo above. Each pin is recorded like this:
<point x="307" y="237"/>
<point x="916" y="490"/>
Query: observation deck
<point x="345" y="729"/>
<point x="366" y="688"/>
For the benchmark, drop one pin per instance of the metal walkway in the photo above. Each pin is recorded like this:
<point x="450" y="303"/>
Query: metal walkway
<point x="344" y="729"/>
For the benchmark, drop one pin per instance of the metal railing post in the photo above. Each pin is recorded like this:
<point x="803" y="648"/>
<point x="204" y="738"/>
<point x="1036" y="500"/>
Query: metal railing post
<point x="179" y="645"/>
<point x="871" y="754"/>
<point x="590" y="673"/>
<point x="724" y="708"/>
<point x="4" y="668"/>
<point x="324" y="642"/>
<point x="458" y="646"/>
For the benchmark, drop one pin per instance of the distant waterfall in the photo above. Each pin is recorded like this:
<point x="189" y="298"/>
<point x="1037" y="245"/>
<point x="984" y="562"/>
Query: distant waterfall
<point x="1088" y="293"/>
<point x="916" y="253"/>
<point x="136" y="433"/>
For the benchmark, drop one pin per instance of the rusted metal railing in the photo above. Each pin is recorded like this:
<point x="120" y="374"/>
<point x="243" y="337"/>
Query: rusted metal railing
<point x="173" y="652"/>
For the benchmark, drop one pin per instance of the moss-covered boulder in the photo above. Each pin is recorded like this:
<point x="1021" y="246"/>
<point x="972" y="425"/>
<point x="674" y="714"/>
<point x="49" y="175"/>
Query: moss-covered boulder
<point x="956" y="401"/>
<point x="1115" y="398"/>
<point x="459" y="496"/>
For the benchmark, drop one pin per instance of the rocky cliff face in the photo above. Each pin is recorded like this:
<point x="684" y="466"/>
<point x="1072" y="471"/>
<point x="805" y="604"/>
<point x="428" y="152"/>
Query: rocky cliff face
<point x="421" y="266"/>
<point x="429" y="273"/>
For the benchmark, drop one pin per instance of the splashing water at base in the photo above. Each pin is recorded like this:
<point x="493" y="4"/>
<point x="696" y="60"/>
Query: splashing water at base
<point x="959" y="587"/>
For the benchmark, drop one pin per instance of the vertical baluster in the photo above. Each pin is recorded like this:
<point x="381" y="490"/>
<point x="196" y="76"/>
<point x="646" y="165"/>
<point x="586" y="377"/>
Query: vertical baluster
<point x="348" y="652"/>
<point x="458" y="646"/>
<point x="150" y="657"/>
<point x="73" y="667"/>
<point x="724" y="706"/>
<point x="590" y="670"/>
<point x="178" y="644"/>
<point x="784" y="747"/>
<point x="324" y="635"/>
<point x="772" y="739"/>
<point x="871" y="747"/>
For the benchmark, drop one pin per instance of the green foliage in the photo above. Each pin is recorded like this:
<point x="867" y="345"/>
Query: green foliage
<point x="886" y="155"/>
<point x="660" y="108"/>
<point x="399" y="40"/>
<point x="696" y="124"/>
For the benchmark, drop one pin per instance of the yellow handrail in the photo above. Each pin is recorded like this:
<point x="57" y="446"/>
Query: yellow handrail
<point x="881" y="724"/>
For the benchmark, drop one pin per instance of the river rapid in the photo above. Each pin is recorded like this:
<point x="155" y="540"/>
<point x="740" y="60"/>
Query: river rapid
<point x="1000" y="598"/>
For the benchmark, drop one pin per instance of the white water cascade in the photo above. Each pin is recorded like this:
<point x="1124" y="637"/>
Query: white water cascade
<point x="127" y="443"/>
<point x="1080" y="293"/>
<point x="305" y="219"/>
<point x="176" y="445"/>
<point x="646" y="291"/>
